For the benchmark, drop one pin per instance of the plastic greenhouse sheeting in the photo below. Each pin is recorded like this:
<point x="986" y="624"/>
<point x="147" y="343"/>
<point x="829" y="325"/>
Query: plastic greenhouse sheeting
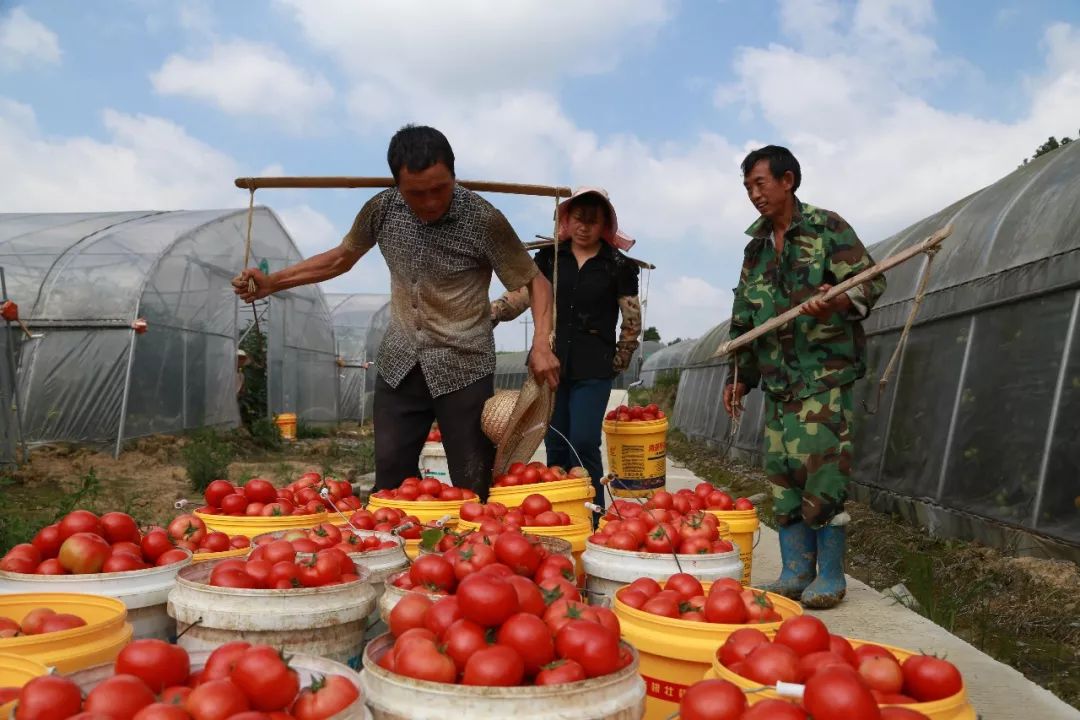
<point x="511" y="369"/>
<point x="353" y="315"/>
<point x="81" y="279"/>
<point x="666" y="362"/>
<point x="978" y="433"/>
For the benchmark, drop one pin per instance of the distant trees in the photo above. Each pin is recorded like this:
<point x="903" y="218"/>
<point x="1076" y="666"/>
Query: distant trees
<point x="651" y="334"/>
<point x="1051" y="144"/>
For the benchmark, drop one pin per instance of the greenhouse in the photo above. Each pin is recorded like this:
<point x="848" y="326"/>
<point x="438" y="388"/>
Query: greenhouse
<point x="353" y="316"/>
<point x="511" y="369"/>
<point x="978" y="433"/>
<point x="91" y="373"/>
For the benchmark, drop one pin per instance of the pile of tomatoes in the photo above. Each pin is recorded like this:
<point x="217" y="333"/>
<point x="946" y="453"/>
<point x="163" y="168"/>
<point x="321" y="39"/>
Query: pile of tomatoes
<point x="390" y="520"/>
<point x="428" y="489"/>
<point x="682" y="597"/>
<point x="537" y="472"/>
<point x="664" y="531"/>
<point x="38" y="622"/>
<point x="327" y="535"/>
<point x="277" y="566"/>
<point x="259" y="497"/>
<point x="190" y="533"/>
<point x="635" y="413"/>
<point x="497" y="630"/>
<point x="804" y="651"/>
<point x="535" y="511"/>
<point x="713" y="499"/>
<point x="83" y="543"/>
<point x="153" y="680"/>
<point x="683" y="502"/>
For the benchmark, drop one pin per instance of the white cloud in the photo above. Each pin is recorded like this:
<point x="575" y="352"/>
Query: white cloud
<point x="245" y="78"/>
<point x="314" y="233"/>
<point x="25" y="41"/>
<point x="687" y="306"/>
<point x="147" y="162"/>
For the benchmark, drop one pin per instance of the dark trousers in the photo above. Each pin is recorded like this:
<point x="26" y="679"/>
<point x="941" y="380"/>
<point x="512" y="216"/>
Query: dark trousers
<point x="403" y="417"/>
<point x="579" y="415"/>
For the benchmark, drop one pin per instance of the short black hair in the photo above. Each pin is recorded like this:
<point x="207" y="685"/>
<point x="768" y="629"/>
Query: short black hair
<point x="780" y="161"/>
<point x="592" y="205"/>
<point x="418" y="147"/>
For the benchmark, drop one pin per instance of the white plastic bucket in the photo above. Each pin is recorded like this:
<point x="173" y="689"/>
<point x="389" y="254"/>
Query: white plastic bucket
<point x="308" y="667"/>
<point x="143" y="592"/>
<point x="325" y="621"/>
<point x="433" y="462"/>
<point x="607" y="570"/>
<point x="619" y="696"/>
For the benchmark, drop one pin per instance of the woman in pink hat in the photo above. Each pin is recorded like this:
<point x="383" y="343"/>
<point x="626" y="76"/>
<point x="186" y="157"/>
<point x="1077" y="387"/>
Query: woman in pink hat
<point x="596" y="284"/>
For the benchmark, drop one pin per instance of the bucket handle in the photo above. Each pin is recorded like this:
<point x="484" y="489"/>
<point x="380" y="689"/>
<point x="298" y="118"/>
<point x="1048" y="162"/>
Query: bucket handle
<point x="198" y="621"/>
<point x="182" y="503"/>
<point x="757" y="537"/>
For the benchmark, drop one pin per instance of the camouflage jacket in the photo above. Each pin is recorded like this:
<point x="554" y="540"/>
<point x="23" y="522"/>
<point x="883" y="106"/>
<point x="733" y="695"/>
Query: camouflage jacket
<point x="806" y="356"/>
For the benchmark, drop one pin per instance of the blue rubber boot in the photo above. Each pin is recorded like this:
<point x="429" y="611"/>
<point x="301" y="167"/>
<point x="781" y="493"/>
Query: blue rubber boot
<point x="798" y="551"/>
<point x="828" y="589"/>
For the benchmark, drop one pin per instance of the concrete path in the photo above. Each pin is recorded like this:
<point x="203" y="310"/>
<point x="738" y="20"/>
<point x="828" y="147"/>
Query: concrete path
<point x="997" y="691"/>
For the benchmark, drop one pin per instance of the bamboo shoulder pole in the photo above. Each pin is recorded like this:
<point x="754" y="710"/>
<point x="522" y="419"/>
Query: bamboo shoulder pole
<point x="930" y="244"/>
<point x="255" y="183"/>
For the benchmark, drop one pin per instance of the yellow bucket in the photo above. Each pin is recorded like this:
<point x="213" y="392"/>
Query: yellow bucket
<point x="637" y="455"/>
<point x="742" y="526"/>
<point x="99" y="641"/>
<point x="568" y="496"/>
<point x="954" y="707"/>
<point x="425" y="510"/>
<point x="207" y="557"/>
<point x="250" y="526"/>
<point x="575" y="533"/>
<point x="286" y="423"/>
<point x="16" y="671"/>
<point x="675" y="653"/>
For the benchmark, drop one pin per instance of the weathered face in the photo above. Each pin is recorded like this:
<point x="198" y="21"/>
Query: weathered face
<point x="428" y="192"/>
<point x="768" y="194"/>
<point x="586" y="224"/>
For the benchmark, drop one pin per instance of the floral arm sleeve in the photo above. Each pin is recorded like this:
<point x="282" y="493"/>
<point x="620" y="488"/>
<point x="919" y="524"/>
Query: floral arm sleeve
<point x="629" y="332"/>
<point x="510" y="305"/>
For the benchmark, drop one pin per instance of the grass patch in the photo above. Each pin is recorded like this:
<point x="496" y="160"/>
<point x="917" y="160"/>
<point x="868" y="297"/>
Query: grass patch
<point x="305" y="431"/>
<point x="206" y="458"/>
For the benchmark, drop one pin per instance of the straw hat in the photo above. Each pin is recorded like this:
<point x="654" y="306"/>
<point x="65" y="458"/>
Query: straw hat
<point x="610" y="234"/>
<point x="516" y="421"/>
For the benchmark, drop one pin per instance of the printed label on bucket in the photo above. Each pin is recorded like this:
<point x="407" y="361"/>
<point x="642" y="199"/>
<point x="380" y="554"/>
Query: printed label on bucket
<point x="663" y="689"/>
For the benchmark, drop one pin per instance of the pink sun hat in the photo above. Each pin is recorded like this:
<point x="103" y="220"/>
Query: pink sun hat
<point x="610" y="233"/>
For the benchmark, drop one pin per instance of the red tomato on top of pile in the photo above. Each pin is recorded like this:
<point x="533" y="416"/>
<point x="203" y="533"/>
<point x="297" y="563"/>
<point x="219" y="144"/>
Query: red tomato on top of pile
<point x="682" y="597"/>
<point x="683" y="502"/>
<point x="326" y="535"/>
<point x="153" y="680"/>
<point x="390" y="520"/>
<point x="276" y="565"/>
<point x="804" y="651"/>
<point x="259" y="497"/>
<point x="537" y="472"/>
<point x="83" y="543"/>
<point x="635" y="413"/>
<point x="663" y="531"/>
<point x="38" y="622"/>
<point x="468" y="553"/>
<point x="435" y="435"/>
<point x="427" y="490"/>
<point x="497" y="630"/>
<point x="535" y="511"/>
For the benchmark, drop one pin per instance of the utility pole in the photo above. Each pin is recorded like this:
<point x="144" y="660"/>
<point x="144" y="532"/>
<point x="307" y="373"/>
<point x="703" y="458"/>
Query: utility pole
<point x="527" y="322"/>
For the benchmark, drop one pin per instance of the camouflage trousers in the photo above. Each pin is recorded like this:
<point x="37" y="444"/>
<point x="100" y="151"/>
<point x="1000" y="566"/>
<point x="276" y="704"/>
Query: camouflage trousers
<point x="808" y="455"/>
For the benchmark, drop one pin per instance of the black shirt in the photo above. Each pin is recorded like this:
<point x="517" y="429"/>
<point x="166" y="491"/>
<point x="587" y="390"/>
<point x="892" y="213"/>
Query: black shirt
<point x="588" y="308"/>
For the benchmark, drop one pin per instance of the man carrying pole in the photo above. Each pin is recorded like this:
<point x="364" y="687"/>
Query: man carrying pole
<point x="806" y="368"/>
<point x="437" y="360"/>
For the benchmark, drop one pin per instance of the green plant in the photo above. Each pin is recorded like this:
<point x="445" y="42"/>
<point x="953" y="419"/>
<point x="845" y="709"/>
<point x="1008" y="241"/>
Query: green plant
<point x="265" y="434"/>
<point x="304" y="431"/>
<point x="206" y="458"/>
<point x="253" y="397"/>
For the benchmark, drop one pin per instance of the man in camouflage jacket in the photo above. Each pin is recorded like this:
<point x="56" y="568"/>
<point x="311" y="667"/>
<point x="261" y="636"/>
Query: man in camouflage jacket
<point x="806" y="368"/>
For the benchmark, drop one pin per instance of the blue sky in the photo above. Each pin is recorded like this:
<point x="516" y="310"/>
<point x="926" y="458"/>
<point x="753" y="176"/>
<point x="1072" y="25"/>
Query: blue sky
<point x="895" y="107"/>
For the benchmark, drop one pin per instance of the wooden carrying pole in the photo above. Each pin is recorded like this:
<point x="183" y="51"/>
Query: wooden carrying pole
<point x="928" y="245"/>
<point x="255" y="183"/>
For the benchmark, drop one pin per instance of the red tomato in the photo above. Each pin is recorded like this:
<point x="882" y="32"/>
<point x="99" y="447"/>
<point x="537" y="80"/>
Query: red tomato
<point x="663" y="605"/>
<point x="49" y="697"/>
<point x="518" y="553"/>
<point x="119" y="527"/>
<point x="261" y="572"/>
<point x="815" y="661"/>
<point x="119" y="697"/>
<point x="494" y="666"/>
<point x="685" y="584"/>
<point x="774" y="710"/>
<point x="769" y="663"/>
<point x="232" y="578"/>
<point x="279" y="551"/>
<point x="648" y="586"/>
<point x="725" y="607"/>
<point x="743" y="504"/>
<point x="261" y="673"/>
<point x="882" y="674"/>
<point x="216" y="700"/>
<point x="623" y="540"/>
<point x="487" y="600"/>
<point x="33" y="623"/>
<point x="47" y="541"/>
<point x="839" y="645"/>
<point x="535" y="504"/>
<point x="927" y="678"/>
<point x="409" y="613"/>
<point x="870" y="650"/>
<point x="80" y="521"/>
<point x="712" y="700"/>
<point x="325" y="698"/>
<point x="171" y="556"/>
<point x="422" y="660"/>
<point x="836" y="693"/>
<point x="259" y="490"/>
<point x="84" y="553"/>
<point x="595" y="647"/>
<point x="216" y="542"/>
<point x="559" y="588"/>
<point x="216" y="491"/>
<point x="177" y="694"/>
<point x="123" y="562"/>
<point x="442" y="614"/>
<point x="530" y="599"/>
<point x="662" y="538"/>
<point x="234" y="504"/>
<point x="220" y="664"/>
<point x="433" y="572"/>
<point x="163" y="711"/>
<point x="61" y="621"/>
<point x="530" y="637"/>
<point x="804" y="634"/>
<point x="632" y="598"/>
<point x="740" y="644"/>
<point x="154" y="544"/>
<point x="462" y="639"/>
